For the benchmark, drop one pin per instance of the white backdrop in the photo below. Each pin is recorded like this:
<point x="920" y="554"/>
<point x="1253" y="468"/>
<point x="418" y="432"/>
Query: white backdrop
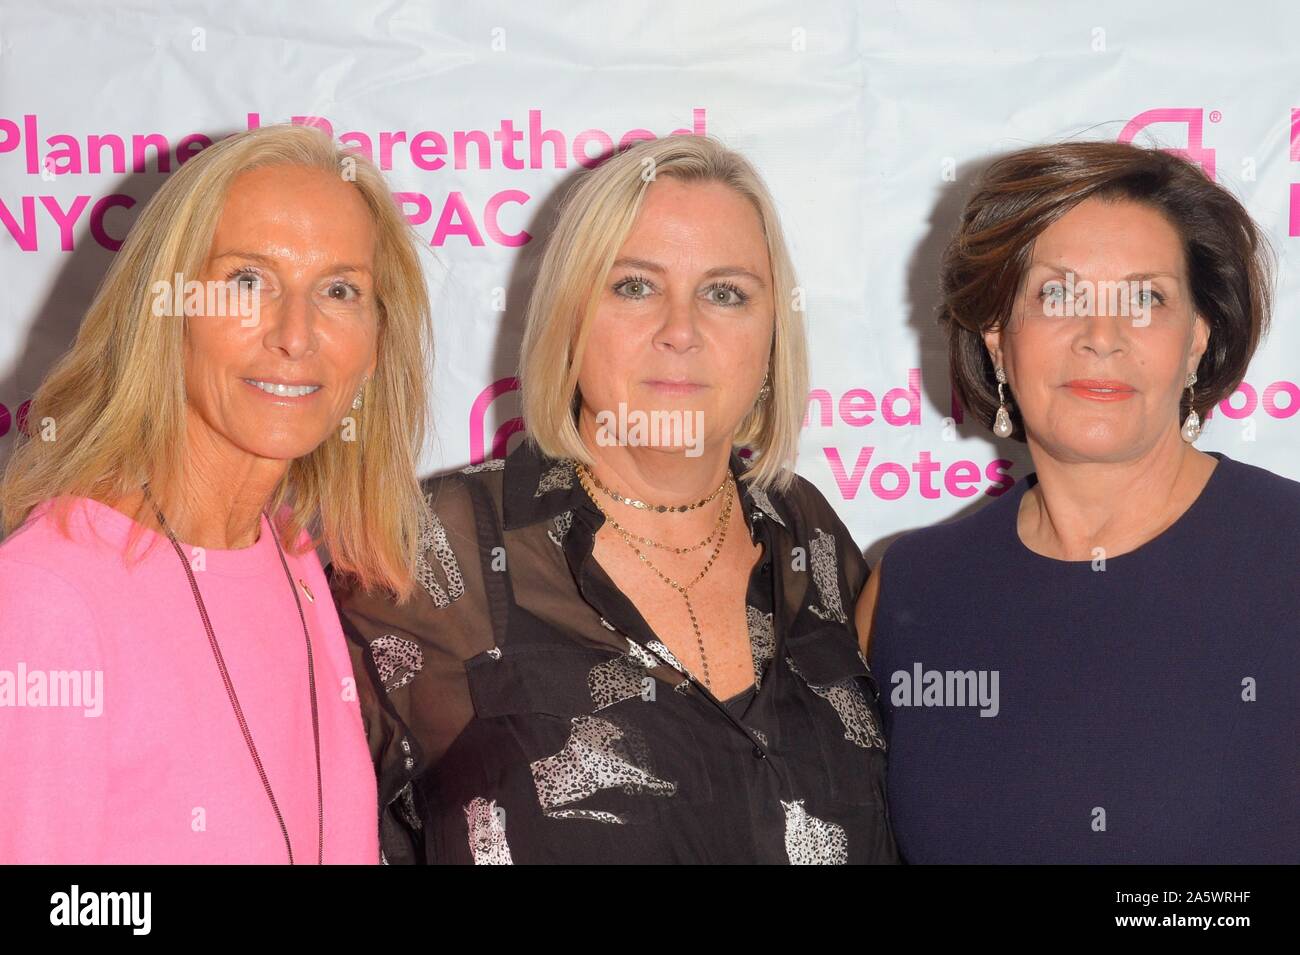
<point x="867" y="119"/>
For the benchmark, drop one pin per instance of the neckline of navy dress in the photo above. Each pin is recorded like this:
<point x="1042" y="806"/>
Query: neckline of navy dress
<point x="1203" y="500"/>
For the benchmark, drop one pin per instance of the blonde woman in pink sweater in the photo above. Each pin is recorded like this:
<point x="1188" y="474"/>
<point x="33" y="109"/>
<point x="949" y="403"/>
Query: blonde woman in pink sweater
<point x="174" y="683"/>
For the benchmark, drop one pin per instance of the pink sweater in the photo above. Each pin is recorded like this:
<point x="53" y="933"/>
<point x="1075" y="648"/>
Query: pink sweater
<point x="118" y="743"/>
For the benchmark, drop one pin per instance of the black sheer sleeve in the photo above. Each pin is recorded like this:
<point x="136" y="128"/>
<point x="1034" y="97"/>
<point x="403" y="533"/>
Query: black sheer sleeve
<point x="408" y="660"/>
<point x="822" y="517"/>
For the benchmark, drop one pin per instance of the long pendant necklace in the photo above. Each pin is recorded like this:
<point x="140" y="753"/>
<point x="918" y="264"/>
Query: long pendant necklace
<point x="234" y="700"/>
<point x="720" y="529"/>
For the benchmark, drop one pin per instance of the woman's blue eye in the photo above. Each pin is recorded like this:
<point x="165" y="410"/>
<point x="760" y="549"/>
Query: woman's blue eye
<point x="727" y="289"/>
<point x="1155" y="297"/>
<point x="1051" y="290"/>
<point x="640" y="285"/>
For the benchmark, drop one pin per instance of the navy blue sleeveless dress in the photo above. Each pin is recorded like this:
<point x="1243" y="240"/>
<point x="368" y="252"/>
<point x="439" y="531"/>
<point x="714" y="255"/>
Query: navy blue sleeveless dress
<point x="1040" y="710"/>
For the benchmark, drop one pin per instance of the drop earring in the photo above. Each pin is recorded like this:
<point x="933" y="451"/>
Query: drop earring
<point x="765" y="392"/>
<point x="356" y="402"/>
<point x="1002" y="420"/>
<point x="1192" y="423"/>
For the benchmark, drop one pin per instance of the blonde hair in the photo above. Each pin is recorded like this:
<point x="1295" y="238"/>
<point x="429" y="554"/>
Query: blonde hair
<point x="595" y="219"/>
<point x="118" y="398"/>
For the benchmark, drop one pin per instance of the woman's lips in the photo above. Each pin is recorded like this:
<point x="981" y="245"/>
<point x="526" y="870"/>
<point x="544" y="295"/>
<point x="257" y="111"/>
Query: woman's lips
<point x="675" y="387"/>
<point x="1100" y="389"/>
<point x="283" y="392"/>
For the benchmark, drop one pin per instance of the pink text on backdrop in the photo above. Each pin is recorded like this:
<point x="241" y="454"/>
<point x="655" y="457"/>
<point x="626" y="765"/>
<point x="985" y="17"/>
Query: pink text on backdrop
<point x="426" y="149"/>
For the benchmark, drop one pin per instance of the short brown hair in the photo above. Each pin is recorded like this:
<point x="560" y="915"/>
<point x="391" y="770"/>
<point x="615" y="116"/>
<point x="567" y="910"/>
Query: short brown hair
<point x="1227" y="256"/>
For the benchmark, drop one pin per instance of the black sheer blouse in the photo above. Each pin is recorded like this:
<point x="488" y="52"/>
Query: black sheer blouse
<point x="520" y="709"/>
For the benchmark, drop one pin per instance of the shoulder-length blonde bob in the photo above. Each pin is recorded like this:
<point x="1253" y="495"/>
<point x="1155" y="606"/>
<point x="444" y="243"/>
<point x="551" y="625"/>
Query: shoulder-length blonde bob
<point x="117" y="398"/>
<point x="595" y="218"/>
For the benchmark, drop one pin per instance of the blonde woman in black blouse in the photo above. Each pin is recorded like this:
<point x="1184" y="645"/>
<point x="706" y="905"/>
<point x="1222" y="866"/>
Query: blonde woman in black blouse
<point x="630" y="646"/>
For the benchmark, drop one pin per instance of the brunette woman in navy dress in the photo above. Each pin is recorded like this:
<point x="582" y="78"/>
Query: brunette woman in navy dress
<point x="1102" y="664"/>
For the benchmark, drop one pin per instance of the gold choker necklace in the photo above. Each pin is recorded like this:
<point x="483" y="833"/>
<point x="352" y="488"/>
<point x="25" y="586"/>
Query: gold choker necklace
<point x="642" y="505"/>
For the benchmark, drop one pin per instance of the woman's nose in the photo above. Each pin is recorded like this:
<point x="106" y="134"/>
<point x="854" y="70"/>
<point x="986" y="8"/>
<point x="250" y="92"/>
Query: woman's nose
<point x="291" y="324"/>
<point x="680" y="329"/>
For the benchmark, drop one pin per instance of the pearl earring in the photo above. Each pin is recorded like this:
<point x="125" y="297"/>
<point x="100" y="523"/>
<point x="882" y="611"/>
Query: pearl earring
<point x="1192" y="424"/>
<point x="1002" y="421"/>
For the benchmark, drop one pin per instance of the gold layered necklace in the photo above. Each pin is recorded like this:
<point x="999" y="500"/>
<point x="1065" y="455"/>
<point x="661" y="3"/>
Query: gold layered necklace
<point x="719" y="532"/>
